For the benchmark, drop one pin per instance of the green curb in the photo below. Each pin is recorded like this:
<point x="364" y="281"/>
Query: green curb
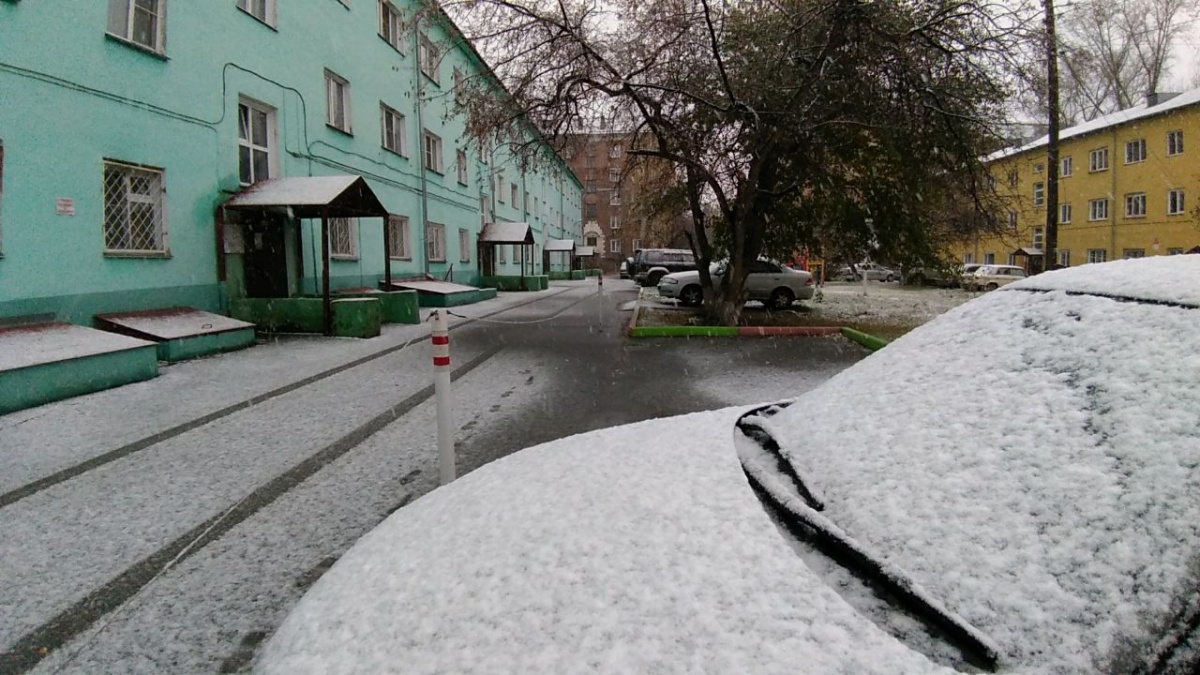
<point x="683" y="331"/>
<point x="869" y="341"/>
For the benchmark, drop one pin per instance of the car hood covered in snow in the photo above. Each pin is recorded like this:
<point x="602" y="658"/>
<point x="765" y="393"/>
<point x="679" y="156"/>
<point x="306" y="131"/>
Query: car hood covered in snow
<point x="636" y="549"/>
<point x="1039" y="474"/>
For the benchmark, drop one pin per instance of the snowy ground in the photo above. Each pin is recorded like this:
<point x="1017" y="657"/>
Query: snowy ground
<point x="313" y="397"/>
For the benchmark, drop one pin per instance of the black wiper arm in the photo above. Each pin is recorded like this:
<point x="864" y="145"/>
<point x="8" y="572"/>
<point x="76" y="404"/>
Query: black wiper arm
<point x="797" y="511"/>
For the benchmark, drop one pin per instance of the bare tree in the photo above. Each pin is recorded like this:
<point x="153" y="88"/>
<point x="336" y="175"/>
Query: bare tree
<point x="782" y="119"/>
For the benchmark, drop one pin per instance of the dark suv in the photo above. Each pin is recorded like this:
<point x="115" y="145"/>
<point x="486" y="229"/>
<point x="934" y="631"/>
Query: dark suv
<point x="650" y="264"/>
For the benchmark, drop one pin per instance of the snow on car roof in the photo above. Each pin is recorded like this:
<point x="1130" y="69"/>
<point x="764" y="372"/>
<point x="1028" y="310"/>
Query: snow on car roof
<point x="633" y="549"/>
<point x="1037" y="472"/>
<point x="1171" y="279"/>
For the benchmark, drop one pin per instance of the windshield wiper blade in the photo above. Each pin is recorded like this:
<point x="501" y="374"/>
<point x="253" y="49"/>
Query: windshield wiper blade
<point x="798" y="513"/>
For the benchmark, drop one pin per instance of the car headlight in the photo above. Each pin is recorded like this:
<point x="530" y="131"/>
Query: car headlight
<point x="669" y="280"/>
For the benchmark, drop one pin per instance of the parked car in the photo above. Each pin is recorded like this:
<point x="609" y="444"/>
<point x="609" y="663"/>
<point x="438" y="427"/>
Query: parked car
<point x="776" y="286"/>
<point x="991" y="277"/>
<point x="650" y="264"/>
<point x="1032" y="508"/>
<point x="873" y="272"/>
<point x="941" y="277"/>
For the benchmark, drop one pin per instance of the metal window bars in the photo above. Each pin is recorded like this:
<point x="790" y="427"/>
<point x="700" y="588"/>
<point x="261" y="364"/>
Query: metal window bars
<point x="133" y="209"/>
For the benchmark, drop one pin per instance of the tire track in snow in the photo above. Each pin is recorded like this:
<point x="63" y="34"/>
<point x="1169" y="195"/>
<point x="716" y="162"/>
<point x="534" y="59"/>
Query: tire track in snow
<point x="63" y="475"/>
<point x="31" y="648"/>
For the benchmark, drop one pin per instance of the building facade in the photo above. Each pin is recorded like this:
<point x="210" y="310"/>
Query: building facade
<point x="1128" y="187"/>
<point x="614" y="190"/>
<point x="125" y="125"/>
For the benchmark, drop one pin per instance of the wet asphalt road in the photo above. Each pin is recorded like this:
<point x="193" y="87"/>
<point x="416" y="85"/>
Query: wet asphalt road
<point x="596" y="377"/>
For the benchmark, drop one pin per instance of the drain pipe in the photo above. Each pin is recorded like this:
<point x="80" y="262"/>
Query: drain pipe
<point x="421" y="144"/>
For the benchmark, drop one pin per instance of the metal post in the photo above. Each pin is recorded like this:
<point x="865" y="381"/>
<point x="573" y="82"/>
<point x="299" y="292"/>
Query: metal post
<point x="326" y="307"/>
<point x="441" y="391"/>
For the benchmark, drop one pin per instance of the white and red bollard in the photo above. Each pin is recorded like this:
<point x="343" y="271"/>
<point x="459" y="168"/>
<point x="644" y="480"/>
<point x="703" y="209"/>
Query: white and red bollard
<point x="441" y="393"/>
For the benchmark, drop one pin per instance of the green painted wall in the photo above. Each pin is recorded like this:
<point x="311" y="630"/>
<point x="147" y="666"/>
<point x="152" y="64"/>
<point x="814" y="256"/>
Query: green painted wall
<point x="179" y="114"/>
<point x="204" y="345"/>
<point x="28" y="387"/>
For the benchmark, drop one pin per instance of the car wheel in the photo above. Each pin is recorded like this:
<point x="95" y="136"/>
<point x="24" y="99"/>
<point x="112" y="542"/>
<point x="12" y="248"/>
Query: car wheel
<point x="654" y="278"/>
<point x="691" y="296"/>
<point x="890" y="278"/>
<point x="781" y="298"/>
<point x="991" y="287"/>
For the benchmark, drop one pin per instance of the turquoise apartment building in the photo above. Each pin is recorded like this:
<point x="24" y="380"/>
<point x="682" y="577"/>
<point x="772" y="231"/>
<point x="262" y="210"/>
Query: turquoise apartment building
<point x="126" y="124"/>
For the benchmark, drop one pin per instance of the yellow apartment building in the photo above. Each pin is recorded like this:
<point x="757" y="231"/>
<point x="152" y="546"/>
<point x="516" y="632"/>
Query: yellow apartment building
<point x="1128" y="185"/>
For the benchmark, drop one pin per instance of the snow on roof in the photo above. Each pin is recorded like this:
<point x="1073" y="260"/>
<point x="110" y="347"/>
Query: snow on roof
<point x="634" y="549"/>
<point x="1104" y="122"/>
<point x="585" y="251"/>
<point x="1038" y="471"/>
<point x="506" y="233"/>
<point x="25" y="346"/>
<point x="560" y="245"/>
<point x="1169" y="279"/>
<point x="312" y="190"/>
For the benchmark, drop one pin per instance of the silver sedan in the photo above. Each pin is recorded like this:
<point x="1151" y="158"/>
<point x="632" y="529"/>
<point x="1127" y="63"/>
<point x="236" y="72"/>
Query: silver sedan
<point x="777" y="286"/>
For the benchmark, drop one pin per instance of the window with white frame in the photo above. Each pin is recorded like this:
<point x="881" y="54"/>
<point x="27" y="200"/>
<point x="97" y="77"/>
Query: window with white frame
<point x="1133" y="253"/>
<point x="1013" y="178"/>
<point x="256" y="141"/>
<point x="515" y="195"/>
<point x="1135" y="205"/>
<point x="991" y="182"/>
<point x="391" y="28"/>
<point x="431" y="145"/>
<point x="1064" y="258"/>
<point x="592" y="240"/>
<point x="1039" y="194"/>
<point x="1012" y="220"/>
<point x="1064" y="213"/>
<point x="460" y="166"/>
<point x="614" y="175"/>
<point x="503" y="253"/>
<point x="1174" y="143"/>
<point x="343" y="238"/>
<point x="142" y="22"/>
<point x="500" y="186"/>
<point x="392" y="130"/>
<point x="460" y="86"/>
<point x="337" y="102"/>
<point x="615" y="150"/>
<point x="1098" y="159"/>
<point x="1012" y="259"/>
<point x="1038" y="168"/>
<point x="989" y="258"/>
<point x="1097" y="255"/>
<point x="614" y="199"/>
<point x="263" y="10"/>
<point x="614" y="245"/>
<point x="399" y="237"/>
<point x="435" y="243"/>
<point x="1175" y="250"/>
<point x="1175" y="202"/>
<point x="1098" y="209"/>
<point x="637" y="244"/>
<point x="1067" y="167"/>
<point x="464" y="245"/>
<point x="516" y="253"/>
<point x="968" y="258"/>
<point x="614" y="221"/>
<point x="1135" y="151"/>
<point x="428" y="56"/>
<point x="1039" y="237"/>
<point x="134" y="213"/>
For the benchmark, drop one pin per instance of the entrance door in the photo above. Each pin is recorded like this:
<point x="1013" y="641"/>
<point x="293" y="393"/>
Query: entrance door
<point x="266" y="259"/>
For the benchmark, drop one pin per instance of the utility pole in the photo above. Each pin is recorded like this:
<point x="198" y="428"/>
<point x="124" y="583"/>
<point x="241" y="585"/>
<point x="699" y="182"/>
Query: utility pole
<point x="1050" y="245"/>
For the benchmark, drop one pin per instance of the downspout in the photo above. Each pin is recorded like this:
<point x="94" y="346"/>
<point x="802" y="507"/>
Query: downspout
<point x="1112" y="212"/>
<point x="421" y="145"/>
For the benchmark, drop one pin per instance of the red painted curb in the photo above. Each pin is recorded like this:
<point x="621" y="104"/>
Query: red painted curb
<point x="767" y="331"/>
